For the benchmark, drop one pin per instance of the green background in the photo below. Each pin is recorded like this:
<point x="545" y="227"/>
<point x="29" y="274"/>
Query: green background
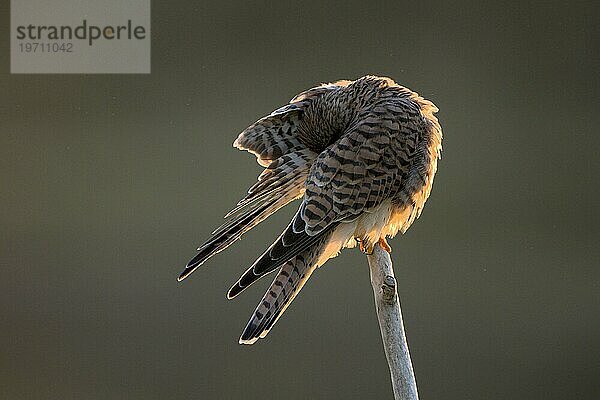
<point x="109" y="182"/>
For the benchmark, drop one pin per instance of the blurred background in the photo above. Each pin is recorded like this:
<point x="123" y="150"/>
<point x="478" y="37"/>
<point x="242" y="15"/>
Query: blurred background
<point x="109" y="182"/>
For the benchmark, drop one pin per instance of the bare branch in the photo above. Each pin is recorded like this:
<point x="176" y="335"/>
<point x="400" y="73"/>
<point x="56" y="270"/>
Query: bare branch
<point x="389" y="315"/>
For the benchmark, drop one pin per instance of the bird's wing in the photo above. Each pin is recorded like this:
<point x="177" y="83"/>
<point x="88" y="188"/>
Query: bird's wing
<point x="273" y="139"/>
<point x="275" y="135"/>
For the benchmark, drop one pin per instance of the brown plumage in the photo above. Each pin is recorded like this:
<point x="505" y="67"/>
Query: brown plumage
<point x="361" y="154"/>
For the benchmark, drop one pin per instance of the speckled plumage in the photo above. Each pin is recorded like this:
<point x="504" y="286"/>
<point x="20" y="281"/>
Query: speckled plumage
<point x="361" y="154"/>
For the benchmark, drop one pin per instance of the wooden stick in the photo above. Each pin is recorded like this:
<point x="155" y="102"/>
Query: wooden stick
<point x="389" y="315"/>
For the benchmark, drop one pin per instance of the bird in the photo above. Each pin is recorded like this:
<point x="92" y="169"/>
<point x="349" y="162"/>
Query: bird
<point x="360" y="155"/>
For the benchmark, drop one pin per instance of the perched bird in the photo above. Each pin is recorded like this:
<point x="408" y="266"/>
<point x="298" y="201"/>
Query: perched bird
<point x="360" y="154"/>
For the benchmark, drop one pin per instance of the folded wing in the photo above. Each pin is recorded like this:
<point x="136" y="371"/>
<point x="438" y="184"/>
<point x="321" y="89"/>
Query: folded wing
<point x="287" y="161"/>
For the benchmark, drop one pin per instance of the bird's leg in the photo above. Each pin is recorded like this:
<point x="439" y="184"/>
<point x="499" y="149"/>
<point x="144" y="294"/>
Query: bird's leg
<point x="384" y="244"/>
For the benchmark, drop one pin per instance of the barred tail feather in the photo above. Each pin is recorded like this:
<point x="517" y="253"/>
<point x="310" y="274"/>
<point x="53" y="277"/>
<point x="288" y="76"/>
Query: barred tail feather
<point x="293" y="241"/>
<point x="229" y="232"/>
<point x="281" y="183"/>
<point x="287" y="284"/>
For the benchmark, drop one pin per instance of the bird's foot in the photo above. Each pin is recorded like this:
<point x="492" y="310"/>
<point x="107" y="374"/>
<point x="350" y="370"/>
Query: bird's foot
<point x="385" y="245"/>
<point x="365" y="249"/>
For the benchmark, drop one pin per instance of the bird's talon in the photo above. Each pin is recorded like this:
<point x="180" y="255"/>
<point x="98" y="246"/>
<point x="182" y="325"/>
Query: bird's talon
<point x="385" y="245"/>
<point x="365" y="249"/>
<point x="361" y="247"/>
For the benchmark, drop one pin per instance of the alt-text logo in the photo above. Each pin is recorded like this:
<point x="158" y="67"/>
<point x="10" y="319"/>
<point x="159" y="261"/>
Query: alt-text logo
<point x="80" y="36"/>
<point x="85" y="31"/>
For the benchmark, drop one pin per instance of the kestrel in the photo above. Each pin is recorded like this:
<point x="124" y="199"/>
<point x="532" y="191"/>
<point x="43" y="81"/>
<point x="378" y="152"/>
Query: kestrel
<point x="360" y="154"/>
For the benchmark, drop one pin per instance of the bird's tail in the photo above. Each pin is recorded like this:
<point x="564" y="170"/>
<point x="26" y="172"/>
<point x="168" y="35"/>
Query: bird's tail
<point x="291" y="278"/>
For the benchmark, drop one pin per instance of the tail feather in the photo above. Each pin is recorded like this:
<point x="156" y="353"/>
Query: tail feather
<point x="289" y="244"/>
<point x="287" y="284"/>
<point x="231" y="231"/>
<point x="282" y="182"/>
